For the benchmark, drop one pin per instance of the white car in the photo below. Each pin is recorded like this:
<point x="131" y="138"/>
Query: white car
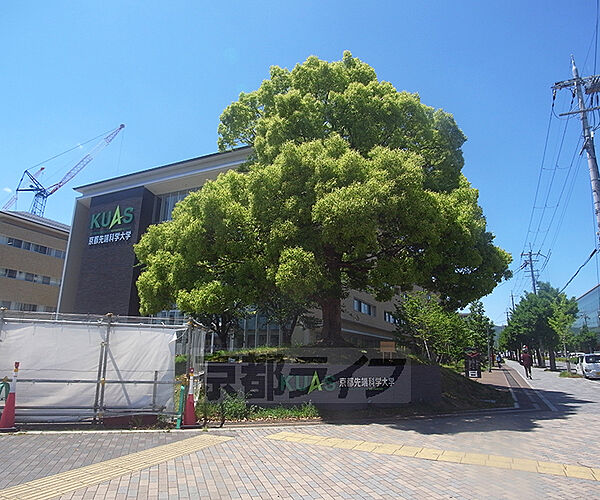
<point x="588" y="365"/>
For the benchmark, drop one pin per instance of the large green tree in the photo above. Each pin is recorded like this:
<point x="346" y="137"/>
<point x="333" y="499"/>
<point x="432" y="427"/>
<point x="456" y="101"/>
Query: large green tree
<point x="351" y="185"/>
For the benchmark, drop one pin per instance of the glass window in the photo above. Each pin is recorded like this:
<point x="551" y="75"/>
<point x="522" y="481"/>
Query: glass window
<point x="45" y="280"/>
<point x="364" y="308"/>
<point x="32" y="247"/>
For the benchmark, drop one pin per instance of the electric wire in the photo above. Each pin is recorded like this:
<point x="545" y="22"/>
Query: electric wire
<point x="562" y="202"/>
<point x="579" y="269"/>
<point x="549" y="190"/>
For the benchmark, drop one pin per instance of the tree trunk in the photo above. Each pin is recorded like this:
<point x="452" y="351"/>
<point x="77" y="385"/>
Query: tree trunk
<point x="287" y="332"/>
<point x="552" y="359"/>
<point x="540" y="359"/>
<point x="331" y="307"/>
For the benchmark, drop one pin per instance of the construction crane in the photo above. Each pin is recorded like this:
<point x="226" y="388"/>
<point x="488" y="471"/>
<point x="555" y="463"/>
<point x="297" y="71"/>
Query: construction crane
<point x="38" y="204"/>
<point x="13" y="199"/>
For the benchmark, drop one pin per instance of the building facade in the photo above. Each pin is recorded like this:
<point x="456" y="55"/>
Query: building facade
<point x="32" y="257"/>
<point x="589" y="310"/>
<point x="111" y="215"/>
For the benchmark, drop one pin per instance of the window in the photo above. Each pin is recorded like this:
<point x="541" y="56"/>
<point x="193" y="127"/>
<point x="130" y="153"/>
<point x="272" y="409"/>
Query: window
<point x="32" y="247"/>
<point x="40" y="249"/>
<point x="364" y="307"/>
<point x="33" y="278"/>
<point x="10" y="273"/>
<point x="389" y="317"/>
<point x="168" y="202"/>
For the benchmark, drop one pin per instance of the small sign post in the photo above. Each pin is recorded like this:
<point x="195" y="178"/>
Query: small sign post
<point x="472" y="364"/>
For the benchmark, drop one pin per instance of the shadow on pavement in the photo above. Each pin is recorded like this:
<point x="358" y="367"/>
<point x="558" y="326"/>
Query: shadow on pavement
<point x="533" y="410"/>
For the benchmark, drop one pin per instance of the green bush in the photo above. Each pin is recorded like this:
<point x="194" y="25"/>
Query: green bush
<point x="234" y="407"/>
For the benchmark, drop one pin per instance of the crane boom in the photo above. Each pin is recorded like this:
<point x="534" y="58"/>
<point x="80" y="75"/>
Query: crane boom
<point x="85" y="160"/>
<point x="38" y="205"/>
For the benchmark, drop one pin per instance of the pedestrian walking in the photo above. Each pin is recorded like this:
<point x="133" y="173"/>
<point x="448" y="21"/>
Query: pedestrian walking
<point x="527" y="362"/>
<point x="499" y="360"/>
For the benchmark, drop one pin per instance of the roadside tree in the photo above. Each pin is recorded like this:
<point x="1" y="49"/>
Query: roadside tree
<point x="529" y="324"/>
<point x="586" y="340"/>
<point x="560" y="321"/>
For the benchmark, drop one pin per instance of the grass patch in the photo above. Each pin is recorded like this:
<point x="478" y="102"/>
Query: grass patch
<point x="234" y="408"/>
<point x="565" y="374"/>
<point x="461" y="393"/>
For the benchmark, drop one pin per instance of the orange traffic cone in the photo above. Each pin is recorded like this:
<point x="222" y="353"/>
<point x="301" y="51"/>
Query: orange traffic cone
<point x="7" y="420"/>
<point x="189" y="413"/>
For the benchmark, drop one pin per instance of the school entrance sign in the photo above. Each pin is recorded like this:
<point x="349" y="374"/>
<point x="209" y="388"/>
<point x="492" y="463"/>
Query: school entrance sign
<point x="324" y="377"/>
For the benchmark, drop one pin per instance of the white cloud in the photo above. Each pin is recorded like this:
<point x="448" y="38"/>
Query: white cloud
<point x="7" y="190"/>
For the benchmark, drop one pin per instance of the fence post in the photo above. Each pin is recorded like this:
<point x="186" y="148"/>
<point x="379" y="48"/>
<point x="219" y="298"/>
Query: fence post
<point x="104" y="363"/>
<point x="99" y="380"/>
<point x="154" y="387"/>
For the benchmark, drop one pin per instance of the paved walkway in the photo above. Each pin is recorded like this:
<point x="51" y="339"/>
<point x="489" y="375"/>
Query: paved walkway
<point x="547" y="450"/>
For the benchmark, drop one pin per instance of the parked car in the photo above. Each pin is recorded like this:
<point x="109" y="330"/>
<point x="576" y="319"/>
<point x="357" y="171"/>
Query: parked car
<point x="588" y="365"/>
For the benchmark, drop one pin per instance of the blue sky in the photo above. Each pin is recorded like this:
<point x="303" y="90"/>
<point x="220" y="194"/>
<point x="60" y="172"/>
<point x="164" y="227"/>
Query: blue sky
<point x="72" y="70"/>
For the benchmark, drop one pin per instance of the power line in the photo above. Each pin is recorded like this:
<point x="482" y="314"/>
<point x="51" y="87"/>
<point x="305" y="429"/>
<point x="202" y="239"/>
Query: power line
<point x="580" y="268"/>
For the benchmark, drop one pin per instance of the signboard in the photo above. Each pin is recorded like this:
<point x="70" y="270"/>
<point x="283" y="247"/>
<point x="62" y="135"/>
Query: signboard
<point x="111" y="226"/>
<point x="358" y="378"/>
<point x="472" y="364"/>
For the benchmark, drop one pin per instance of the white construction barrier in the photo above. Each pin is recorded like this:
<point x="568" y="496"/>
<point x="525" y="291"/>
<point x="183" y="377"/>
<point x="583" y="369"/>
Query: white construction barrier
<point x="92" y="369"/>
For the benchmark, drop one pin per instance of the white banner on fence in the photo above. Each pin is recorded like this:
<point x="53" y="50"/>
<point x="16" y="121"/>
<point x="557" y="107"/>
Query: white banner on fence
<point x="60" y="364"/>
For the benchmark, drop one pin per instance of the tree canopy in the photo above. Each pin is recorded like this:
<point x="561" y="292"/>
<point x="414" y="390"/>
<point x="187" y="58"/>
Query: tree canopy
<point x="538" y="317"/>
<point x="438" y="334"/>
<point x="351" y="185"/>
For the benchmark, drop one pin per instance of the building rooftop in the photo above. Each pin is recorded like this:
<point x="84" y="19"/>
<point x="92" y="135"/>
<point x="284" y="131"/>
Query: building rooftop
<point x="172" y="177"/>
<point x="59" y="226"/>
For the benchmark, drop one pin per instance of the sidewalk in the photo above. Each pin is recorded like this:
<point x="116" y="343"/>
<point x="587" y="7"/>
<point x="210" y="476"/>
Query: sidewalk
<point x="496" y="377"/>
<point x="524" y="394"/>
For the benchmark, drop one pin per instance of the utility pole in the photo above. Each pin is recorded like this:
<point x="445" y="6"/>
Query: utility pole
<point x="512" y="299"/>
<point x="530" y="262"/>
<point x="589" y="85"/>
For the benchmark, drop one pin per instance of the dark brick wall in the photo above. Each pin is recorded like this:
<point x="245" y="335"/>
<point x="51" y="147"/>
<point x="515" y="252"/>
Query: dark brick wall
<point x="108" y="272"/>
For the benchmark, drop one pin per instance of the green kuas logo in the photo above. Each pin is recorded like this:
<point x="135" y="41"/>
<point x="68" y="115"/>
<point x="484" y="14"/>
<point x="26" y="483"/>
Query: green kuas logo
<point x="110" y="218"/>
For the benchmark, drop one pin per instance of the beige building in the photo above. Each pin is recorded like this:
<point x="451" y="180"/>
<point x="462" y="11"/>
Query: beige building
<point x="32" y="257"/>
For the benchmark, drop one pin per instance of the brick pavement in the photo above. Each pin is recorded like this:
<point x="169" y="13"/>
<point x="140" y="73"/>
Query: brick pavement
<point x="252" y="465"/>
